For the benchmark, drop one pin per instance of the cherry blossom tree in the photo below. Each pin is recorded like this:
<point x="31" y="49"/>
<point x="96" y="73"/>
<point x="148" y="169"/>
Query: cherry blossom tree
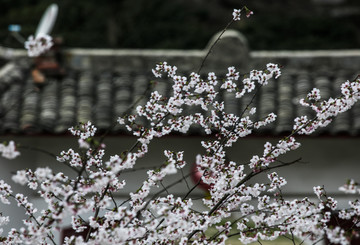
<point x="145" y="218"/>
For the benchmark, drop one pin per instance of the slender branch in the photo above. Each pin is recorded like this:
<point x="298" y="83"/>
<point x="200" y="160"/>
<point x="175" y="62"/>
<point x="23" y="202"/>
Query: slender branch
<point x="293" y="238"/>
<point x="240" y="116"/>
<point x="168" y="186"/>
<point x="302" y="242"/>
<point x="158" y="193"/>
<point x="138" y="169"/>
<point x="213" y="45"/>
<point x="232" y="223"/>
<point x="127" y="111"/>
<point x="182" y="173"/>
<point x="161" y="183"/>
<point x="127" y="200"/>
<point x="34" y="218"/>
<point x="52" y="155"/>
<point x="112" y="198"/>
<point x="285" y="236"/>
<point x="97" y="211"/>
<point x="321" y="239"/>
<point x="193" y="188"/>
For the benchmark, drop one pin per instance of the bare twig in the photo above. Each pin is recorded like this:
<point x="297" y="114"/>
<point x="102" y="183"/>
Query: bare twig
<point x="52" y="155"/>
<point x="187" y="184"/>
<point x="213" y="45"/>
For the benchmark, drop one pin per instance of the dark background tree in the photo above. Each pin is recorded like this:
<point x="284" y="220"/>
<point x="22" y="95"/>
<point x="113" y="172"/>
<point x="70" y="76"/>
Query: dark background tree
<point x="189" y="24"/>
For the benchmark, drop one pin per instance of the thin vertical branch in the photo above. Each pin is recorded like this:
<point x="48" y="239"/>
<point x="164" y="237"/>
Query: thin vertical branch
<point x="213" y="45"/>
<point x="182" y="174"/>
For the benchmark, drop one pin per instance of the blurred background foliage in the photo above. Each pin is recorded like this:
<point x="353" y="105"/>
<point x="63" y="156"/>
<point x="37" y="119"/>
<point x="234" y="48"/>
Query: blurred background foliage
<point x="189" y="24"/>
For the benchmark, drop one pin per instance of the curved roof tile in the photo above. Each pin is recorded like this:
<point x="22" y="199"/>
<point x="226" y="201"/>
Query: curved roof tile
<point x="101" y="85"/>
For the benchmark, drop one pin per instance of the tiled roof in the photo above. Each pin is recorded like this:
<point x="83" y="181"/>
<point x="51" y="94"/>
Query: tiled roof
<point x="100" y="85"/>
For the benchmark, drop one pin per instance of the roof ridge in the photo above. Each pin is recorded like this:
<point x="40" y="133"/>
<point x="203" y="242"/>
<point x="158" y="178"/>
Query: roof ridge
<point x="304" y="53"/>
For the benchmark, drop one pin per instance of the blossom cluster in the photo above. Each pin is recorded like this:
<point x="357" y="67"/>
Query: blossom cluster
<point x="237" y="13"/>
<point x="9" y="150"/>
<point x="38" y="45"/>
<point x="326" y="110"/>
<point x="83" y="130"/>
